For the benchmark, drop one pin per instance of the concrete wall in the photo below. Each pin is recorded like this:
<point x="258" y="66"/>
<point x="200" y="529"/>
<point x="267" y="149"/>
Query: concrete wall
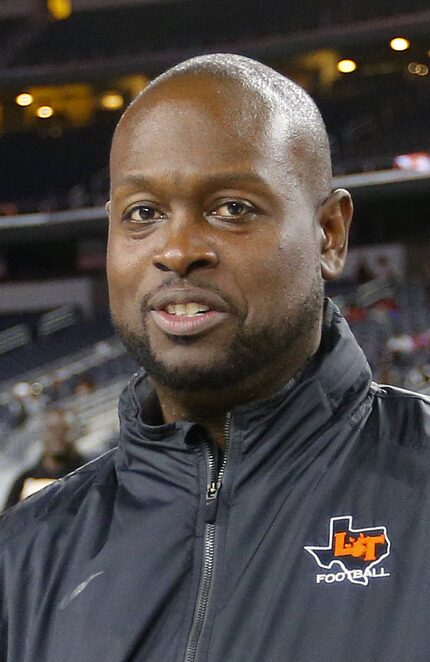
<point x="42" y="295"/>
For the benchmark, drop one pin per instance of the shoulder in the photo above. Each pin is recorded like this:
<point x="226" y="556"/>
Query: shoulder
<point x="395" y="393"/>
<point x="403" y="415"/>
<point x="63" y="495"/>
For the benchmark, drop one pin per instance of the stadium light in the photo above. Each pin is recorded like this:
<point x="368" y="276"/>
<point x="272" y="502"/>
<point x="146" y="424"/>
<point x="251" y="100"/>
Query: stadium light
<point x="44" y="112"/>
<point x="112" y="101"/>
<point x="24" y="99"/>
<point x="418" y="69"/>
<point x="399" y="44"/>
<point x="59" y="9"/>
<point x="346" y="66"/>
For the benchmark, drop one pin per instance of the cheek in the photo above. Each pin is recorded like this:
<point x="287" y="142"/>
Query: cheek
<point x="281" y="279"/>
<point x="124" y="274"/>
<point x="124" y="258"/>
<point x="299" y="252"/>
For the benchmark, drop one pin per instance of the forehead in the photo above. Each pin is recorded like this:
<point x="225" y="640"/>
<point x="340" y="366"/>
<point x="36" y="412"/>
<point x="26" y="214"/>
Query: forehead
<point x="225" y="102"/>
<point x="198" y="124"/>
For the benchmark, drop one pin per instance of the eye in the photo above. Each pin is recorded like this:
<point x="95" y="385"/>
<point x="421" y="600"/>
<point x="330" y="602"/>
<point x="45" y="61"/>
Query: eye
<point x="233" y="209"/>
<point x="142" y="213"/>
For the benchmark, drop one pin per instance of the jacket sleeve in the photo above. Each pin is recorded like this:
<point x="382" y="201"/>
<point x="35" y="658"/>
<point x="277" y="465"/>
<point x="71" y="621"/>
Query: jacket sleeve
<point x="3" y="616"/>
<point x="3" y="640"/>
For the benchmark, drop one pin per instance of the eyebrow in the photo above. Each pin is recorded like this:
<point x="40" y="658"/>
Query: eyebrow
<point x="217" y="179"/>
<point x="133" y="180"/>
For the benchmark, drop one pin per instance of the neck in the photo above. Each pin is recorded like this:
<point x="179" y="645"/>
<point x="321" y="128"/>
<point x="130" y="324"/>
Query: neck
<point x="210" y="407"/>
<point x="52" y="463"/>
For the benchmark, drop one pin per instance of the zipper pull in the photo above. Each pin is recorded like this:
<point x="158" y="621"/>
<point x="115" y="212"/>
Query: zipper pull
<point x="212" y="502"/>
<point x="212" y="490"/>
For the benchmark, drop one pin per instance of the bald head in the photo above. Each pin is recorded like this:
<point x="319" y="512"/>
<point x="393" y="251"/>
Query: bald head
<point x="264" y="102"/>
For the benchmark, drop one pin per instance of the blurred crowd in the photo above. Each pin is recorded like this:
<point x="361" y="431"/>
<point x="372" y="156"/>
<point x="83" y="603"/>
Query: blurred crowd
<point x="390" y="319"/>
<point x="32" y="399"/>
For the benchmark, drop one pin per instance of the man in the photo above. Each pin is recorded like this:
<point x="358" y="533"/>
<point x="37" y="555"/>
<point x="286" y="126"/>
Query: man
<point x="59" y="457"/>
<point x="267" y="502"/>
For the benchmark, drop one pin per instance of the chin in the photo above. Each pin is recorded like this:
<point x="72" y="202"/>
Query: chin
<point x="190" y="375"/>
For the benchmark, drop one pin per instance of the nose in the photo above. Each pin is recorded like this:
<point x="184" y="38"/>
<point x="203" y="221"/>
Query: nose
<point x="186" y="248"/>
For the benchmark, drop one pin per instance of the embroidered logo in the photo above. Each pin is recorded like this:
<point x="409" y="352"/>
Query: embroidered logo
<point x="353" y="553"/>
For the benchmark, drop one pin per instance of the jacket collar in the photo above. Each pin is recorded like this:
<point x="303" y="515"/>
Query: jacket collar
<point x="334" y="383"/>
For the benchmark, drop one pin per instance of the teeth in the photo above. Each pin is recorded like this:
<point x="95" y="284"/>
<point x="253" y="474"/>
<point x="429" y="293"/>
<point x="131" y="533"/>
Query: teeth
<point x="187" y="309"/>
<point x="177" y="309"/>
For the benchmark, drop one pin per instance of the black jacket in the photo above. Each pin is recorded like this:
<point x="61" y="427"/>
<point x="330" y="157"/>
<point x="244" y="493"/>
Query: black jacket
<point x="317" y="542"/>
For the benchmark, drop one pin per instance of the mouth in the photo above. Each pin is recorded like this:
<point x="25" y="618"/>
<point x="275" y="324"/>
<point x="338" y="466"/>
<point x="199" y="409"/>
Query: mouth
<point x="184" y="313"/>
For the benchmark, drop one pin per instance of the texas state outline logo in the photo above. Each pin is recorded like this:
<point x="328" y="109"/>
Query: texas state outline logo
<point x="351" y="554"/>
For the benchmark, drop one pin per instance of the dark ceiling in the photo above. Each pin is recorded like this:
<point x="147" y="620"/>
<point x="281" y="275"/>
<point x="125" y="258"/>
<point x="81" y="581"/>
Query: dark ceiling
<point x="379" y="111"/>
<point x="151" y="35"/>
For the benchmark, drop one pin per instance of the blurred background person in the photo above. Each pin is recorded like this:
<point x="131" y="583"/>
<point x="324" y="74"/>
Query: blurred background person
<point x="59" y="457"/>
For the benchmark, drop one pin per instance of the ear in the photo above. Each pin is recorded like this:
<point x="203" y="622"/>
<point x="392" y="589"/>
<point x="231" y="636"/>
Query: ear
<point x="334" y="218"/>
<point x="108" y="207"/>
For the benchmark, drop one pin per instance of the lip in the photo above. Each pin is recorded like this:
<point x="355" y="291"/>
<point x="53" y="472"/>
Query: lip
<point x="182" y="325"/>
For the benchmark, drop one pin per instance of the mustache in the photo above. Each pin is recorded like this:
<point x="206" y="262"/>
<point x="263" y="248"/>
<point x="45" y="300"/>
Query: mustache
<point x="175" y="282"/>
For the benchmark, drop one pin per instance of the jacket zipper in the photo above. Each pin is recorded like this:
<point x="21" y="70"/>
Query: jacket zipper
<point x="213" y="487"/>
